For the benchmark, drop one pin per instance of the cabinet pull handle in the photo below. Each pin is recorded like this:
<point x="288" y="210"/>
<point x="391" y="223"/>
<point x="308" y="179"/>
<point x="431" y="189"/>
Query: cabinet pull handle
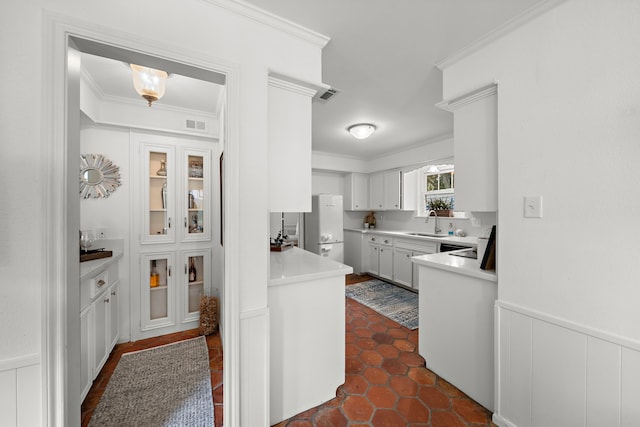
<point x="101" y="283"/>
<point x="185" y="222"/>
<point x="106" y="301"/>
<point x="185" y="269"/>
<point x="113" y="292"/>
<point x="373" y="239"/>
<point x="169" y="271"/>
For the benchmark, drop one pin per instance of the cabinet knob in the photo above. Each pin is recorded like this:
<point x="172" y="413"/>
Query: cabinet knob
<point x="169" y="222"/>
<point x="113" y="292"/>
<point x="106" y="301"/>
<point x="386" y="241"/>
<point x="101" y="283"/>
<point x="408" y="256"/>
<point x="373" y="239"/>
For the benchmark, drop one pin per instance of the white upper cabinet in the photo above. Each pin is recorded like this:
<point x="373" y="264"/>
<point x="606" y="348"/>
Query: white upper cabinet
<point x="356" y="192"/>
<point x="376" y="191"/>
<point x="475" y="129"/>
<point x="392" y="190"/>
<point x="289" y="152"/>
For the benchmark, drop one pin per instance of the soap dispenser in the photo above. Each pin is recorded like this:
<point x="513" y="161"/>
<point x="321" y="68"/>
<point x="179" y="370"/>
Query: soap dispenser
<point x="450" y="229"/>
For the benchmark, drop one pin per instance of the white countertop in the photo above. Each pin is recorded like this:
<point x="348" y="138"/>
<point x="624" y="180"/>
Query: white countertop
<point x="297" y="265"/>
<point x="455" y="264"/>
<point x="89" y="269"/>
<point x="463" y="241"/>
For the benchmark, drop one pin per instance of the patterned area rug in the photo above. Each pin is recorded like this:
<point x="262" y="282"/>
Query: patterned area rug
<point x="162" y="386"/>
<point x="394" y="302"/>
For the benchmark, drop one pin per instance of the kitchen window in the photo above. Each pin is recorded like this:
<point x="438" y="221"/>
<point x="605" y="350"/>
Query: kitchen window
<point x="435" y="182"/>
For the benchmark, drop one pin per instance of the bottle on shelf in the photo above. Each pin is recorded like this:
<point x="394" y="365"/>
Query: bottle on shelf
<point x="192" y="271"/>
<point x="450" y="229"/>
<point x="154" y="280"/>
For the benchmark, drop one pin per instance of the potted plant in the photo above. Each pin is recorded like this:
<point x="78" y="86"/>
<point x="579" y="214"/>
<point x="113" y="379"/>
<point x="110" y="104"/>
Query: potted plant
<point x="280" y="243"/>
<point x="442" y="207"/>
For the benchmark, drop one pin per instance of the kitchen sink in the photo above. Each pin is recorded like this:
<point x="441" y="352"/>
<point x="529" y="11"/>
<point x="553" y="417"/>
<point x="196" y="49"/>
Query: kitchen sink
<point x="427" y="235"/>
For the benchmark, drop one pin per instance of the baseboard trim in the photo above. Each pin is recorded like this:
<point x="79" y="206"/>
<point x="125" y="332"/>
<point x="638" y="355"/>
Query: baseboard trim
<point x="501" y="422"/>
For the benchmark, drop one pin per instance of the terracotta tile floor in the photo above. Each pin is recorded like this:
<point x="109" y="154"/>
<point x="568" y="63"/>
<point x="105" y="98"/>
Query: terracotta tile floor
<point x="215" y="363"/>
<point x="387" y="383"/>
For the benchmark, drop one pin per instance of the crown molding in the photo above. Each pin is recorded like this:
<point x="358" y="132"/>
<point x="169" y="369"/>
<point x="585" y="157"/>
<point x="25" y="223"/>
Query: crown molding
<point x="504" y="29"/>
<point x="454" y="103"/>
<point x="290" y="86"/>
<point x="262" y="16"/>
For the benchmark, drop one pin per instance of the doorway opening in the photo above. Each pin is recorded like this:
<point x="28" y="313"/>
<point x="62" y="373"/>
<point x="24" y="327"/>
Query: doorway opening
<point x="61" y="339"/>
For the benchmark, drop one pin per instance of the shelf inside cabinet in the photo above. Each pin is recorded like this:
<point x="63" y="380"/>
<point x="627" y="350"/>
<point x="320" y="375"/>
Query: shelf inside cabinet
<point x="158" y="287"/>
<point x="197" y="282"/>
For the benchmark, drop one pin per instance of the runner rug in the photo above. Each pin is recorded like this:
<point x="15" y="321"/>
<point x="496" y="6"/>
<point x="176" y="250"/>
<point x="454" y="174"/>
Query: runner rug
<point x="161" y="387"/>
<point x="394" y="302"/>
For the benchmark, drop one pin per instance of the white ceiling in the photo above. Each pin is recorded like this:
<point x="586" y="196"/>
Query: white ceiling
<point x="113" y="78"/>
<point x="381" y="57"/>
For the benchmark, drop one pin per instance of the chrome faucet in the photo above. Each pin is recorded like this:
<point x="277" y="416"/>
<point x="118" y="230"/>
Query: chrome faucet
<point x="436" y="230"/>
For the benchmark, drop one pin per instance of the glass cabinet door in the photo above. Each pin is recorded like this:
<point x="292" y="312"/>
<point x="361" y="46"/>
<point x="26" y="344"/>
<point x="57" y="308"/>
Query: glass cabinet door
<point x="197" y="281"/>
<point x="159" y="176"/>
<point x="157" y="291"/>
<point x="196" y="222"/>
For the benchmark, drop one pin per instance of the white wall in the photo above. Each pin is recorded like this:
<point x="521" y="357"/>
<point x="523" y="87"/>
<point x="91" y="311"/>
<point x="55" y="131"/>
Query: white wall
<point x="568" y="129"/>
<point x="197" y="29"/>
<point x="113" y="213"/>
<point x="327" y="183"/>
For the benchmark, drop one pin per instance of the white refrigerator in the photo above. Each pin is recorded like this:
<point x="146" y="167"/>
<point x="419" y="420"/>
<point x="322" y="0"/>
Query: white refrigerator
<point x="323" y="227"/>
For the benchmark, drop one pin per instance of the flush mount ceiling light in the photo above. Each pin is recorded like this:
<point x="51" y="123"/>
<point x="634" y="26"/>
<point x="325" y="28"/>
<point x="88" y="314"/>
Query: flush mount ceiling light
<point x="149" y="82"/>
<point x="361" y="130"/>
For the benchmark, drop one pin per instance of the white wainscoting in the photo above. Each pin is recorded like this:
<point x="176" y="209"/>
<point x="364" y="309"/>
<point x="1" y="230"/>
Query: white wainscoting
<point x="20" y="391"/>
<point x="554" y="373"/>
<point x="254" y="367"/>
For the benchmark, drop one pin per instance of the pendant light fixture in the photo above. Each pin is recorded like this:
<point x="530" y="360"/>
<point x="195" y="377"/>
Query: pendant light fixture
<point x="149" y="82"/>
<point x="361" y="130"/>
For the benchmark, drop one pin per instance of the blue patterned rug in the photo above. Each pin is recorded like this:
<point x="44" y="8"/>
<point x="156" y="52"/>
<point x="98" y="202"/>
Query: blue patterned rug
<point x="394" y="302"/>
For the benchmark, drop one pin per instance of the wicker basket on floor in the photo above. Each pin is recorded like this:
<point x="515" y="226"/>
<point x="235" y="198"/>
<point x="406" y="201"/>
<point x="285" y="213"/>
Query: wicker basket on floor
<point x="208" y="315"/>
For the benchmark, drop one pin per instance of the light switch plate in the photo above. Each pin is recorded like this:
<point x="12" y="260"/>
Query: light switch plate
<point x="533" y="207"/>
<point x="476" y="222"/>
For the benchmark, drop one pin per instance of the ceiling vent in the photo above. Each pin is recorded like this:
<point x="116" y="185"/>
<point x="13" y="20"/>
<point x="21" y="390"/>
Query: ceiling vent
<point x="197" y="125"/>
<point x="328" y="94"/>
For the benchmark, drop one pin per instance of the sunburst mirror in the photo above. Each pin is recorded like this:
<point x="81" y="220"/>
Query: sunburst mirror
<point x="99" y="177"/>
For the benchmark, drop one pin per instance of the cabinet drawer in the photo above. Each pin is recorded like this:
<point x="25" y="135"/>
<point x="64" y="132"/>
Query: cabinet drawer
<point x="416" y="245"/>
<point x="374" y="238"/>
<point x="99" y="283"/>
<point x="386" y="240"/>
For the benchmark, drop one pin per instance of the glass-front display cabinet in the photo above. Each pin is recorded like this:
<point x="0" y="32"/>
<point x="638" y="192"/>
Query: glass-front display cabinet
<point x="157" y="291"/>
<point x="159" y="222"/>
<point x="197" y="165"/>
<point x="197" y="282"/>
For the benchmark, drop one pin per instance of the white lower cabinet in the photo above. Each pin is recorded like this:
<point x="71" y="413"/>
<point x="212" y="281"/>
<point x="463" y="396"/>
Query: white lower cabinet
<point x="171" y="290"/>
<point x="372" y="258"/>
<point x="386" y="262"/>
<point x="402" y="267"/>
<point x="86" y="351"/>
<point x="390" y="257"/>
<point x="99" y="323"/>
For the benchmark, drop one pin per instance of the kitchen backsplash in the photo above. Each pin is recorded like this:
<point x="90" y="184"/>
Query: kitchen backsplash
<point x="407" y="221"/>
